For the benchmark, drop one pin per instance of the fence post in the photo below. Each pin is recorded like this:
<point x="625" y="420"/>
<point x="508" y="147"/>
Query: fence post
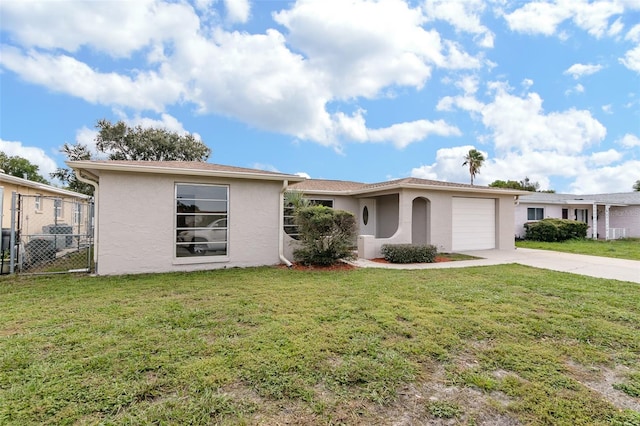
<point x="12" y="248"/>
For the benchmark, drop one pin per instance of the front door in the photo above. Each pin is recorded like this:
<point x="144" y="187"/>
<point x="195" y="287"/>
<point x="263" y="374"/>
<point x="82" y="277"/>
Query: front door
<point x="368" y="216"/>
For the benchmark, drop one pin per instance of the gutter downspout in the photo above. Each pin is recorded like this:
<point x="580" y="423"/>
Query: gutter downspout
<point x="93" y="183"/>
<point x="285" y="185"/>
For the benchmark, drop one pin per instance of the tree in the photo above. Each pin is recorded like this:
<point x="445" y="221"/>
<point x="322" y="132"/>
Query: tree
<point x="474" y="159"/>
<point x="525" y="185"/>
<point x="75" y="152"/>
<point x="21" y="167"/>
<point x="636" y="186"/>
<point x="121" y="142"/>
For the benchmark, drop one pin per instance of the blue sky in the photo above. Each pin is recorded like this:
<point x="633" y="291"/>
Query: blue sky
<point x="338" y="89"/>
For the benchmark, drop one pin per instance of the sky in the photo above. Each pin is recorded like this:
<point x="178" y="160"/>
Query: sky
<point x="362" y="90"/>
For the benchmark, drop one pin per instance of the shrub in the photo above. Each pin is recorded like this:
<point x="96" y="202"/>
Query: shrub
<point x="409" y="253"/>
<point x="325" y="235"/>
<point x="551" y="230"/>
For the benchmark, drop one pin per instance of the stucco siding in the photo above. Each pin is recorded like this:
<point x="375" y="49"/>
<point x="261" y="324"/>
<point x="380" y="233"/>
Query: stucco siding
<point x="627" y="217"/>
<point x="387" y="215"/>
<point x="137" y="224"/>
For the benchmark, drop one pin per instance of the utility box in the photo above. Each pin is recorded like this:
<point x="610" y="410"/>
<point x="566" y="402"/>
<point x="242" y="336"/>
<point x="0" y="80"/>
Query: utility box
<point x="63" y="234"/>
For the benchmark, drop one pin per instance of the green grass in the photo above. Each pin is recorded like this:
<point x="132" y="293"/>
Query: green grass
<point x="276" y="346"/>
<point x="628" y="248"/>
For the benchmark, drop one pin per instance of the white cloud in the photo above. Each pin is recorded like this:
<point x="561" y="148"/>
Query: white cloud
<point x="463" y="15"/>
<point x="37" y="156"/>
<point x="448" y="166"/>
<point x="631" y="59"/>
<point x="238" y="10"/>
<point x="343" y="51"/>
<point x="520" y="123"/>
<point x="618" y="178"/>
<point x="545" y="17"/>
<point x="303" y="175"/>
<point x="527" y="141"/>
<point x="604" y="158"/>
<point x="579" y="70"/>
<point x="537" y="18"/>
<point x="62" y="73"/>
<point x="527" y="83"/>
<point x="403" y="134"/>
<point x="400" y="134"/>
<point x="633" y="34"/>
<point x="607" y="108"/>
<point x="629" y="141"/>
<point x="114" y="27"/>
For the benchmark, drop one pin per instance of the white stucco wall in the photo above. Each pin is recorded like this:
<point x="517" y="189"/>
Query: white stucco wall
<point x="137" y="224"/>
<point x="620" y="217"/>
<point x="440" y="224"/>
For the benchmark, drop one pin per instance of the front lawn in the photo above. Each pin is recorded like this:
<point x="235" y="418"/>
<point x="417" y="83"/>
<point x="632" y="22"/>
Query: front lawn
<point x="628" y="248"/>
<point x="487" y="345"/>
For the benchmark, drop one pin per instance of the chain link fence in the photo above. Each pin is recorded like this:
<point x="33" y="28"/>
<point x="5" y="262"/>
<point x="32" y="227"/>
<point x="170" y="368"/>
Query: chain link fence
<point x="52" y="234"/>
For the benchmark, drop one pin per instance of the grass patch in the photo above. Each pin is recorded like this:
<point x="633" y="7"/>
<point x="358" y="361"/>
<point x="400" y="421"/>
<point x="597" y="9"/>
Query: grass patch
<point x="628" y="248"/>
<point x="275" y="346"/>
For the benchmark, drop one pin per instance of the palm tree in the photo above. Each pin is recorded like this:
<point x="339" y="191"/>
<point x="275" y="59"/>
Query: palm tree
<point x="636" y="186"/>
<point x="474" y="160"/>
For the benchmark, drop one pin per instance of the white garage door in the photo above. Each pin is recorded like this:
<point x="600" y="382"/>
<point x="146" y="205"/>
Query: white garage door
<point x="474" y="224"/>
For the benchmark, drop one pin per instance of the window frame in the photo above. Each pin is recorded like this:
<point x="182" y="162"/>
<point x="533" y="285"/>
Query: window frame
<point x="535" y="215"/>
<point x="37" y="202"/>
<point x="584" y="213"/>
<point x="290" y="228"/>
<point x="58" y="208"/>
<point x="209" y="255"/>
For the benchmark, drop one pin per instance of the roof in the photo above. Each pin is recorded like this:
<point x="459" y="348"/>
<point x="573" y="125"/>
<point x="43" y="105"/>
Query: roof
<point x="196" y="168"/>
<point x="622" y="198"/>
<point x="40" y="186"/>
<point x="338" y="187"/>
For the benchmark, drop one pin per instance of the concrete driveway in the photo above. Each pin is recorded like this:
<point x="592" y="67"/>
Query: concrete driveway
<point x="592" y="266"/>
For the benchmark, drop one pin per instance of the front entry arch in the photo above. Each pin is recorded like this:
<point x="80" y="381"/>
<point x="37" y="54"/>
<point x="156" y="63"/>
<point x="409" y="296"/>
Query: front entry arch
<point x="420" y="221"/>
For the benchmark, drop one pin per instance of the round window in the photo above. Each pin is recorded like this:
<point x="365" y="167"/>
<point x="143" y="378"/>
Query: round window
<point x="365" y="215"/>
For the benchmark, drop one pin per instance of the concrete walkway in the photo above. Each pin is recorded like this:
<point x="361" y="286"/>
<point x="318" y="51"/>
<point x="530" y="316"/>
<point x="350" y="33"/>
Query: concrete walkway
<point x="592" y="266"/>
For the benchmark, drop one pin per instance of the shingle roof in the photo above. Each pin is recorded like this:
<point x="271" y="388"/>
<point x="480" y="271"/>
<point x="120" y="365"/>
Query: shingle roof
<point x="412" y="181"/>
<point x="181" y="168"/>
<point x="355" y="188"/>
<point x="612" y="198"/>
<point x="190" y="165"/>
<point x="326" y="185"/>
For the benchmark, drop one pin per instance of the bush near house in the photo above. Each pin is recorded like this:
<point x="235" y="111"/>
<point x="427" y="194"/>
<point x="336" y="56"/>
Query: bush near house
<point x="551" y="230"/>
<point x="326" y="235"/>
<point x="409" y="253"/>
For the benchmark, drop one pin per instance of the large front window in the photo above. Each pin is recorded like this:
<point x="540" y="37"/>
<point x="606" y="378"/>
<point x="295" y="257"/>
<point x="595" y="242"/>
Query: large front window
<point x="201" y="220"/>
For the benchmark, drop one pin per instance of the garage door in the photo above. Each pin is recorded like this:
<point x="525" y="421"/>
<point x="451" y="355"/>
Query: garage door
<point x="474" y="224"/>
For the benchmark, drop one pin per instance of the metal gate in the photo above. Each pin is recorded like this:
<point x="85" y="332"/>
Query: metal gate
<point x="52" y="234"/>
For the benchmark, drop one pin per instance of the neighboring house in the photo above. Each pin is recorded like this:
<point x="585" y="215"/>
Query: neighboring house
<point x="41" y="204"/>
<point x="184" y="216"/>
<point x="616" y="215"/>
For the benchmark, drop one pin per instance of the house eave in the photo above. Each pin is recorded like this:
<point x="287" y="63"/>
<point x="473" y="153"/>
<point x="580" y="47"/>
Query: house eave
<point x="92" y="167"/>
<point x="40" y="186"/>
<point x="479" y="190"/>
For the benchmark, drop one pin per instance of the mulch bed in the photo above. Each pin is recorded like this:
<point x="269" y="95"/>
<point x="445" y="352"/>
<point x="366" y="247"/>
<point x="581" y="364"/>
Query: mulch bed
<point x="438" y="259"/>
<point x="345" y="266"/>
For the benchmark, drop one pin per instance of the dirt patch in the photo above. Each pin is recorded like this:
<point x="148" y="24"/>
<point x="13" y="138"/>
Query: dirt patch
<point x="601" y="380"/>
